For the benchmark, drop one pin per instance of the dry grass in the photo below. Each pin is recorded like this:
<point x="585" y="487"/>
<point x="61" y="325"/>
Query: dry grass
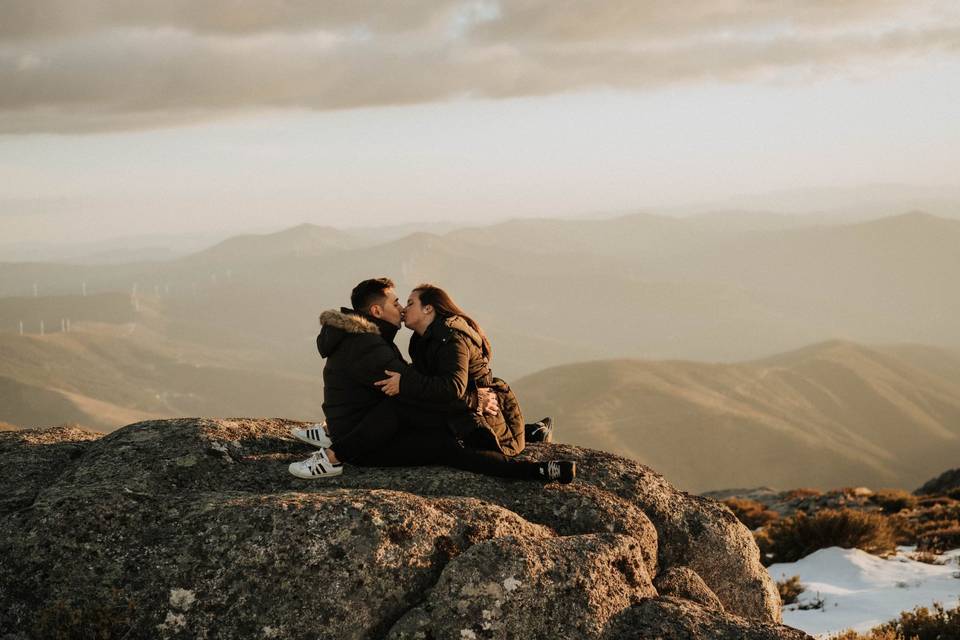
<point x="919" y="624"/>
<point x="789" y="588"/>
<point x="800" y="494"/>
<point x="927" y="557"/>
<point x="790" y="539"/>
<point x="933" y="501"/>
<point x="939" y="540"/>
<point x="893" y="500"/>
<point x="751" y="513"/>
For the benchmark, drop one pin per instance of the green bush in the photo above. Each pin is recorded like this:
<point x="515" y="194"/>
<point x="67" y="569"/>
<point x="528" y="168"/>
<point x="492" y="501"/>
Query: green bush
<point x="790" y="539"/>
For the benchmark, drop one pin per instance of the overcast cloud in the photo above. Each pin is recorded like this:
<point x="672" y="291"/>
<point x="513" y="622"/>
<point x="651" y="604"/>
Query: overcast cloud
<point x="90" y="65"/>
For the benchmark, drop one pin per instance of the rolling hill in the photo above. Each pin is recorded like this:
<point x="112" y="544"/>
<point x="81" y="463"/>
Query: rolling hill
<point x="831" y="414"/>
<point x="105" y="376"/>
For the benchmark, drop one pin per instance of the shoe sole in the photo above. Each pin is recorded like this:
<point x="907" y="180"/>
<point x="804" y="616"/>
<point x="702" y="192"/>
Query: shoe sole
<point x="306" y="476"/>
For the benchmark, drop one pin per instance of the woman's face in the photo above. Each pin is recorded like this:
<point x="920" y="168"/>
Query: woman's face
<point x="416" y="316"/>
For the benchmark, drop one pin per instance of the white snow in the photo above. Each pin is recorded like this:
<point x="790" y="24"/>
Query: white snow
<point x="860" y="591"/>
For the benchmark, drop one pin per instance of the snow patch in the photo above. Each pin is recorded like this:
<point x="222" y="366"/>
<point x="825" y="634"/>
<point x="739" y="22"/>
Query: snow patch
<point x="860" y="591"/>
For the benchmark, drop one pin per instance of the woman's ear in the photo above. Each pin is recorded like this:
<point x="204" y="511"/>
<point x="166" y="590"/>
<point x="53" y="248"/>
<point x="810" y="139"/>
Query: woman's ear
<point x="427" y="309"/>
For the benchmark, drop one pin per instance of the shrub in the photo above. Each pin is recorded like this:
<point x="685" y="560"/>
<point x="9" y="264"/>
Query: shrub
<point x="876" y="634"/>
<point x="893" y="500"/>
<point x="801" y="494"/>
<point x="923" y="624"/>
<point x="919" y="624"/>
<point x="789" y="589"/>
<point x="904" y="528"/>
<point x="927" y="557"/>
<point x="940" y="540"/>
<point x="750" y="512"/>
<point x="935" y="500"/>
<point x="793" y="538"/>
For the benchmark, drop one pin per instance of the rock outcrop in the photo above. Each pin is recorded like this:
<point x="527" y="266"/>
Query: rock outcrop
<point x="193" y="528"/>
<point x="947" y="481"/>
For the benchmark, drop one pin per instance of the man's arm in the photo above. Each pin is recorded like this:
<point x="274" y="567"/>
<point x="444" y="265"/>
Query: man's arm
<point x="374" y="356"/>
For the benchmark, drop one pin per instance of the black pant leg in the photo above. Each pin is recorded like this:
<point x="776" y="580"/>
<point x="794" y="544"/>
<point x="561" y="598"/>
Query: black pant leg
<point x="490" y="463"/>
<point x="408" y="448"/>
<point x="413" y="448"/>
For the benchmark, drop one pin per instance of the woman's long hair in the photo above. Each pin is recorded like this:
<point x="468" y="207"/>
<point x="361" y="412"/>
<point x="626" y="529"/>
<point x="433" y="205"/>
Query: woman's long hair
<point x="445" y="307"/>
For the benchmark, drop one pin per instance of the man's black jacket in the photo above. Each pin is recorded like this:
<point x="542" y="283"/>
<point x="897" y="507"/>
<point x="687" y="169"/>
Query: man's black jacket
<point x="358" y="351"/>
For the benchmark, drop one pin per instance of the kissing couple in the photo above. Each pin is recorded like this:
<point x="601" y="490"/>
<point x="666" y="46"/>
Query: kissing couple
<point x="445" y="408"/>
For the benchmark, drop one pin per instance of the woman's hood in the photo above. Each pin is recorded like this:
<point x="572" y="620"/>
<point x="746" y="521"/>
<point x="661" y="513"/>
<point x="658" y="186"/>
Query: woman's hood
<point x="457" y="323"/>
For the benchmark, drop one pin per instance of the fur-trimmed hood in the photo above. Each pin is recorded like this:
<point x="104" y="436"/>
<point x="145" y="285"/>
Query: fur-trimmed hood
<point x="348" y="321"/>
<point x="335" y="326"/>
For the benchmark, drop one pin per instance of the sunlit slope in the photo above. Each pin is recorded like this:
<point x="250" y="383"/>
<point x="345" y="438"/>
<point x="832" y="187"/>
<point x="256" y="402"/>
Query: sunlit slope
<point x="106" y="376"/>
<point x="832" y="414"/>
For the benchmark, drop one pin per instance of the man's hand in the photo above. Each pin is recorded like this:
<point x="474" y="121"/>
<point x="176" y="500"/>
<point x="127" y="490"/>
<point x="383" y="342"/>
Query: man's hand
<point x="487" y="402"/>
<point x="391" y="384"/>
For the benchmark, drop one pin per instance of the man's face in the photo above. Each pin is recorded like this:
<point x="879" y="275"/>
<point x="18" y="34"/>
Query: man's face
<point x="390" y="309"/>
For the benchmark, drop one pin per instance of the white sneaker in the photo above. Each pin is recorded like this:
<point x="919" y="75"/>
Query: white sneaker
<point x="314" y="435"/>
<point x="316" y="466"/>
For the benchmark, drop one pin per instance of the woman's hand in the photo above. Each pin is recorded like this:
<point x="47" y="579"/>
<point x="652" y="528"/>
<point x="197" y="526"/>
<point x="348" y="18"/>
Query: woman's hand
<point x="391" y="384"/>
<point x="488" y="402"/>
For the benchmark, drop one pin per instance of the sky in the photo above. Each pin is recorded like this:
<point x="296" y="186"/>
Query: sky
<point x="121" y="118"/>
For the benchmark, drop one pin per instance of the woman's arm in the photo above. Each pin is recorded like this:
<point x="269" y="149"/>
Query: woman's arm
<point x="448" y="384"/>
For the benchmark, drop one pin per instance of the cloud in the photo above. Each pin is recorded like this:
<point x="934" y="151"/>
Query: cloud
<point x="92" y="65"/>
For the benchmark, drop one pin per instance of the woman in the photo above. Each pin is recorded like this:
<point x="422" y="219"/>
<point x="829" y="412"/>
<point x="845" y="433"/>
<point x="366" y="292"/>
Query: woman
<point x="453" y="353"/>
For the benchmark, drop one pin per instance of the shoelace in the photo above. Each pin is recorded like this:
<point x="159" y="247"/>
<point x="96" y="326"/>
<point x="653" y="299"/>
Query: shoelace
<point x="318" y="459"/>
<point x="553" y="470"/>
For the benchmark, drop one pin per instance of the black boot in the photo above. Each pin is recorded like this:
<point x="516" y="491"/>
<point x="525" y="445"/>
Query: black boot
<point x="541" y="431"/>
<point x="562" y="471"/>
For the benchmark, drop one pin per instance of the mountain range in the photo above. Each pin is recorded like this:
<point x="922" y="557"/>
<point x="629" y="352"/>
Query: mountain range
<point x="668" y="324"/>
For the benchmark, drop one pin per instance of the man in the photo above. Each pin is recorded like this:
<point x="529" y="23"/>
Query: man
<point x="370" y="429"/>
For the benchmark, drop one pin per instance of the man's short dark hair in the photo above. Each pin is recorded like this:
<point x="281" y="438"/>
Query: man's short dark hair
<point x="368" y="293"/>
